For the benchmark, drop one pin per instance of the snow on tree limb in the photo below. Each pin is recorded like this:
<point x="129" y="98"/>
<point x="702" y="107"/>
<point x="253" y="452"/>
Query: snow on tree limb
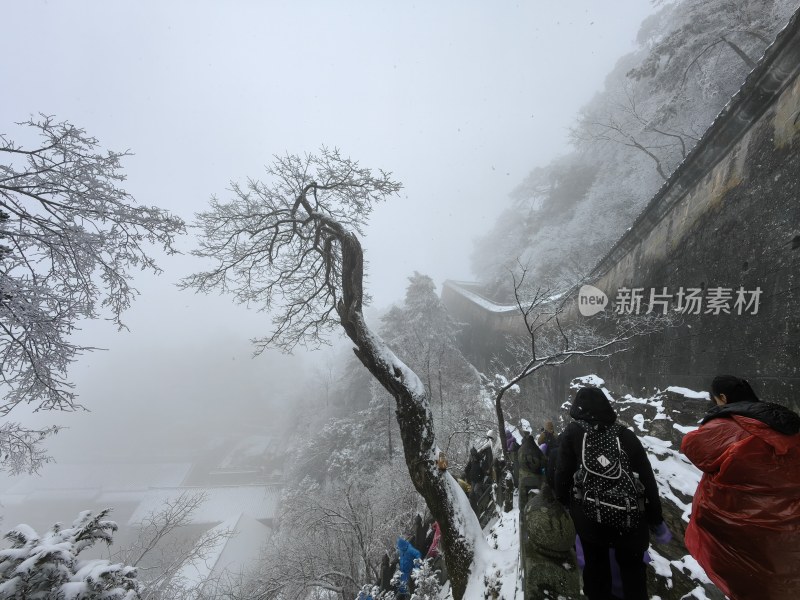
<point x="70" y="238"/>
<point x="20" y="447"/>
<point x="49" y="567"/>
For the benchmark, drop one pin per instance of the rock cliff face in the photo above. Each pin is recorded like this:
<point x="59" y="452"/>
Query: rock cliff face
<point x="726" y="223"/>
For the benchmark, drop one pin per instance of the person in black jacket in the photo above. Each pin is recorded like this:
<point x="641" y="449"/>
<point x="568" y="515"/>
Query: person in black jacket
<point x="592" y="409"/>
<point x="551" y="463"/>
<point x="531" y="463"/>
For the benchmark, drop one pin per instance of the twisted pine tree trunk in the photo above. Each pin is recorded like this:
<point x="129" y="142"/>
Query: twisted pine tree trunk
<point x="443" y="496"/>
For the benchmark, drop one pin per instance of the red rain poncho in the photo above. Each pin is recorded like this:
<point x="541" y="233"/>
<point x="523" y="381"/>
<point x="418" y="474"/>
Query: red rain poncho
<point x="745" y="524"/>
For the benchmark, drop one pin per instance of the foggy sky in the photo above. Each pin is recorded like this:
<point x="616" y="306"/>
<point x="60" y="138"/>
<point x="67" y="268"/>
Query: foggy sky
<point x="458" y="99"/>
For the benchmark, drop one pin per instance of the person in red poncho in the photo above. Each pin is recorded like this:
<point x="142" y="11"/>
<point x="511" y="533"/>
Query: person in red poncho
<point x="745" y="524"/>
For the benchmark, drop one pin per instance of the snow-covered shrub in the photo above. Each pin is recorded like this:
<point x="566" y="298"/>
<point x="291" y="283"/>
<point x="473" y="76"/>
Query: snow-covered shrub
<point x="47" y="567"/>
<point x="493" y="584"/>
<point x="373" y="592"/>
<point x="426" y="581"/>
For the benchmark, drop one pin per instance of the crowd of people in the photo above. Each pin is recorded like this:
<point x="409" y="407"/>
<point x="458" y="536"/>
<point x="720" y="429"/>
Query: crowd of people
<point x="744" y="528"/>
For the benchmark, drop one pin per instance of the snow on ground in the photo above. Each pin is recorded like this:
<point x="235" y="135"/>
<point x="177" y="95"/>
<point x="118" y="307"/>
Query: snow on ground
<point x="674" y="474"/>
<point x="688" y="393"/>
<point x="587" y="380"/>
<point x="687" y="564"/>
<point x="499" y="560"/>
<point x="677" y="478"/>
<point x="504" y="570"/>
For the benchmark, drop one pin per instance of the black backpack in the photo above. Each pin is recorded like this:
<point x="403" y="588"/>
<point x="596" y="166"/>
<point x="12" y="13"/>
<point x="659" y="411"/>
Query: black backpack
<point x="607" y="490"/>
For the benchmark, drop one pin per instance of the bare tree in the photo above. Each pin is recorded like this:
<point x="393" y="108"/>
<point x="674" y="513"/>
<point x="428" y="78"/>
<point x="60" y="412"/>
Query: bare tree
<point x="70" y="237"/>
<point x="292" y="246"/>
<point x="327" y="541"/>
<point x="626" y="122"/>
<point x="331" y="536"/>
<point x="162" y="549"/>
<point x="549" y="343"/>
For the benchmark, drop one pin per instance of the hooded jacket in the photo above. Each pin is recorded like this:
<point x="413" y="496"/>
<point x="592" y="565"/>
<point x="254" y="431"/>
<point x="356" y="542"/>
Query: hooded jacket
<point x="531" y="462"/>
<point x="591" y="407"/>
<point x="511" y="441"/>
<point x="473" y="472"/>
<point x="407" y="554"/>
<point x="745" y="524"/>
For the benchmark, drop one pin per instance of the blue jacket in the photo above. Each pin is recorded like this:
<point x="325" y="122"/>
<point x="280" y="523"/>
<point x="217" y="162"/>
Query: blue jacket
<point x="407" y="554"/>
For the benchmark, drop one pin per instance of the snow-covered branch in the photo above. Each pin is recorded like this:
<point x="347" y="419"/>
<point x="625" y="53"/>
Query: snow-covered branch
<point x="21" y="448"/>
<point x="70" y="236"/>
<point x="49" y="567"/>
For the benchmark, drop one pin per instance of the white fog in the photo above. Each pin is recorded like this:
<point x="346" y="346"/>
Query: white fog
<point x="528" y="140"/>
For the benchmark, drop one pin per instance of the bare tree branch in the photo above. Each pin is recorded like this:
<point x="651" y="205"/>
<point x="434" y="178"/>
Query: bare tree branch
<point x="20" y="448"/>
<point x="160" y="551"/>
<point x="548" y="343"/>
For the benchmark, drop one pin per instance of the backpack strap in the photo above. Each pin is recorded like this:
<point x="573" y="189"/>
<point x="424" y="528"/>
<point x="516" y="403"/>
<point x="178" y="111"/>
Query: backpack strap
<point x="615" y="431"/>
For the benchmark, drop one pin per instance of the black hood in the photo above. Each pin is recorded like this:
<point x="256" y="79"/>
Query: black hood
<point x="778" y="417"/>
<point x="591" y="405"/>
